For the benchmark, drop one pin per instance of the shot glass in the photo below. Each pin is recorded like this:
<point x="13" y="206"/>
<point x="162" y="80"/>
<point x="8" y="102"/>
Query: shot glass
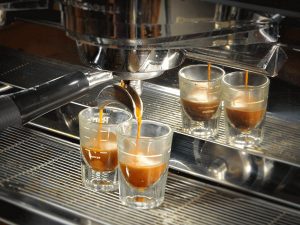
<point x="200" y="99"/>
<point x="143" y="163"/>
<point x="98" y="143"/>
<point x="245" y="108"/>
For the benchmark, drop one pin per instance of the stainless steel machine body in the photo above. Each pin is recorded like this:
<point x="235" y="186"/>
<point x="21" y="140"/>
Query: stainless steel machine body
<point x="209" y="181"/>
<point x="140" y="39"/>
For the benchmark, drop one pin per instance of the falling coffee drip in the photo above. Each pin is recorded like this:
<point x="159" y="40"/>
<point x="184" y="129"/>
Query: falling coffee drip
<point x="208" y="71"/>
<point x="246" y="78"/>
<point x="140" y="172"/>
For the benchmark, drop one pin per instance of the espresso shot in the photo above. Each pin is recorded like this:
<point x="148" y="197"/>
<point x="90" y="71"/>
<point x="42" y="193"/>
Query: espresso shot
<point x="98" y="144"/>
<point x="244" y="119"/>
<point x="200" y="111"/>
<point x="143" y="163"/>
<point x="245" y="101"/>
<point x="200" y="97"/>
<point x="102" y="156"/>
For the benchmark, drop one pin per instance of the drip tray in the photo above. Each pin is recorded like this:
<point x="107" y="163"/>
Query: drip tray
<point x="41" y="174"/>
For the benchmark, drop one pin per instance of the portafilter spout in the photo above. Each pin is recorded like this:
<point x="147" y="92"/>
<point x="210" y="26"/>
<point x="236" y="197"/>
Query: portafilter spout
<point x="21" y="107"/>
<point x="123" y="95"/>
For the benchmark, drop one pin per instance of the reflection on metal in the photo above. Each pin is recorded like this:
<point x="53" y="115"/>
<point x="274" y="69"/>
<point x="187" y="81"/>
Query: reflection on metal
<point x="96" y="77"/>
<point x="140" y="39"/>
<point x="2" y="16"/>
<point x="264" y="59"/>
<point x="5" y="88"/>
<point x="126" y="96"/>
<point x="18" y="5"/>
<point x="130" y="64"/>
<point x="162" y="24"/>
<point x="247" y="171"/>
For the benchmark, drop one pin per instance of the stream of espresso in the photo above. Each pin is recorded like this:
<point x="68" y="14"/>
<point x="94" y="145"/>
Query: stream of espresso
<point x="140" y="172"/>
<point x="246" y="78"/>
<point x="208" y="71"/>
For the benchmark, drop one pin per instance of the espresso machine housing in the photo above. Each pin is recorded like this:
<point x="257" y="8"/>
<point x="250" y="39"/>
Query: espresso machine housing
<point x="144" y="43"/>
<point x="140" y="40"/>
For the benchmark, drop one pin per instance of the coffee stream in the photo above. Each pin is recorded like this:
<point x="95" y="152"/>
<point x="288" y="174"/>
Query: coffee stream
<point x="208" y="71"/>
<point x="140" y="172"/>
<point x="246" y="78"/>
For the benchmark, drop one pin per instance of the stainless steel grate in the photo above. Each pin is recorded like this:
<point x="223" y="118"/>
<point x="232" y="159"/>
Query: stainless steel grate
<point x="48" y="170"/>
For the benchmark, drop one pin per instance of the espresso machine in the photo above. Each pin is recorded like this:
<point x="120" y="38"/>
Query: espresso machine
<point x="144" y="43"/>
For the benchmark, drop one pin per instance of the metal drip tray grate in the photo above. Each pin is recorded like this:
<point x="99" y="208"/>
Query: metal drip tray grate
<point x="39" y="167"/>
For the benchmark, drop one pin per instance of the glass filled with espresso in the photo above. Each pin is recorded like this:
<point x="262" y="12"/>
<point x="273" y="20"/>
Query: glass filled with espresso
<point x="245" y="102"/>
<point x="98" y="143"/>
<point x="200" y="95"/>
<point x="144" y="152"/>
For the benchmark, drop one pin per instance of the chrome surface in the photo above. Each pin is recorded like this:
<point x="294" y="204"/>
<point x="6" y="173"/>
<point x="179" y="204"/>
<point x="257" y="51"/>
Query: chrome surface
<point x="96" y="77"/>
<point x="2" y="16"/>
<point x="140" y="39"/>
<point x="126" y="96"/>
<point x="259" y="58"/>
<point x="5" y="88"/>
<point x="163" y="24"/>
<point x="130" y="64"/>
<point x="19" y="5"/>
<point x="41" y="174"/>
<point x="272" y="173"/>
<point x="137" y="85"/>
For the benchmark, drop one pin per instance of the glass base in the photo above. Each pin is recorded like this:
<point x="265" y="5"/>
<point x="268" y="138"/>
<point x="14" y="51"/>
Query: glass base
<point x="141" y="202"/>
<point x="202" y="129"/>
<point x="99" y="181"/>
<point x="100" y="185"/>
<point x="203" y="133"/>
<point x="245" y="141"/>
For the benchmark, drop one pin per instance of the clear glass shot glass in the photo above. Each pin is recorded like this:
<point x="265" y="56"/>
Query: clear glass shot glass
<point x="98" y="143"/>
<point x="201" y="99"/>
<point x="143" y="163"/>
<point x="245" y="108"/>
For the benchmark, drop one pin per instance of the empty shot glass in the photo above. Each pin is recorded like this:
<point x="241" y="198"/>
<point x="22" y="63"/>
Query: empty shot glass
<point x="98" y="143"/>
<point x="143" y="163"/>
<point x="200" y="96"/>
<point x="245" y="104"/>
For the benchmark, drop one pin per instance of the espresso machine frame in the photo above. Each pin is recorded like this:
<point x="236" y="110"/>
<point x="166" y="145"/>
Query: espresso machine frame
<point x="210" y="182"/>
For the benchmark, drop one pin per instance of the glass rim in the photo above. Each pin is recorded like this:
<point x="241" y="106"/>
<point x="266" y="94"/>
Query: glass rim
<point x="106" y="107"/>
<point x="161" y="137"/>
<point x="264" y="84"/>
<point x="180" y="73"/>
